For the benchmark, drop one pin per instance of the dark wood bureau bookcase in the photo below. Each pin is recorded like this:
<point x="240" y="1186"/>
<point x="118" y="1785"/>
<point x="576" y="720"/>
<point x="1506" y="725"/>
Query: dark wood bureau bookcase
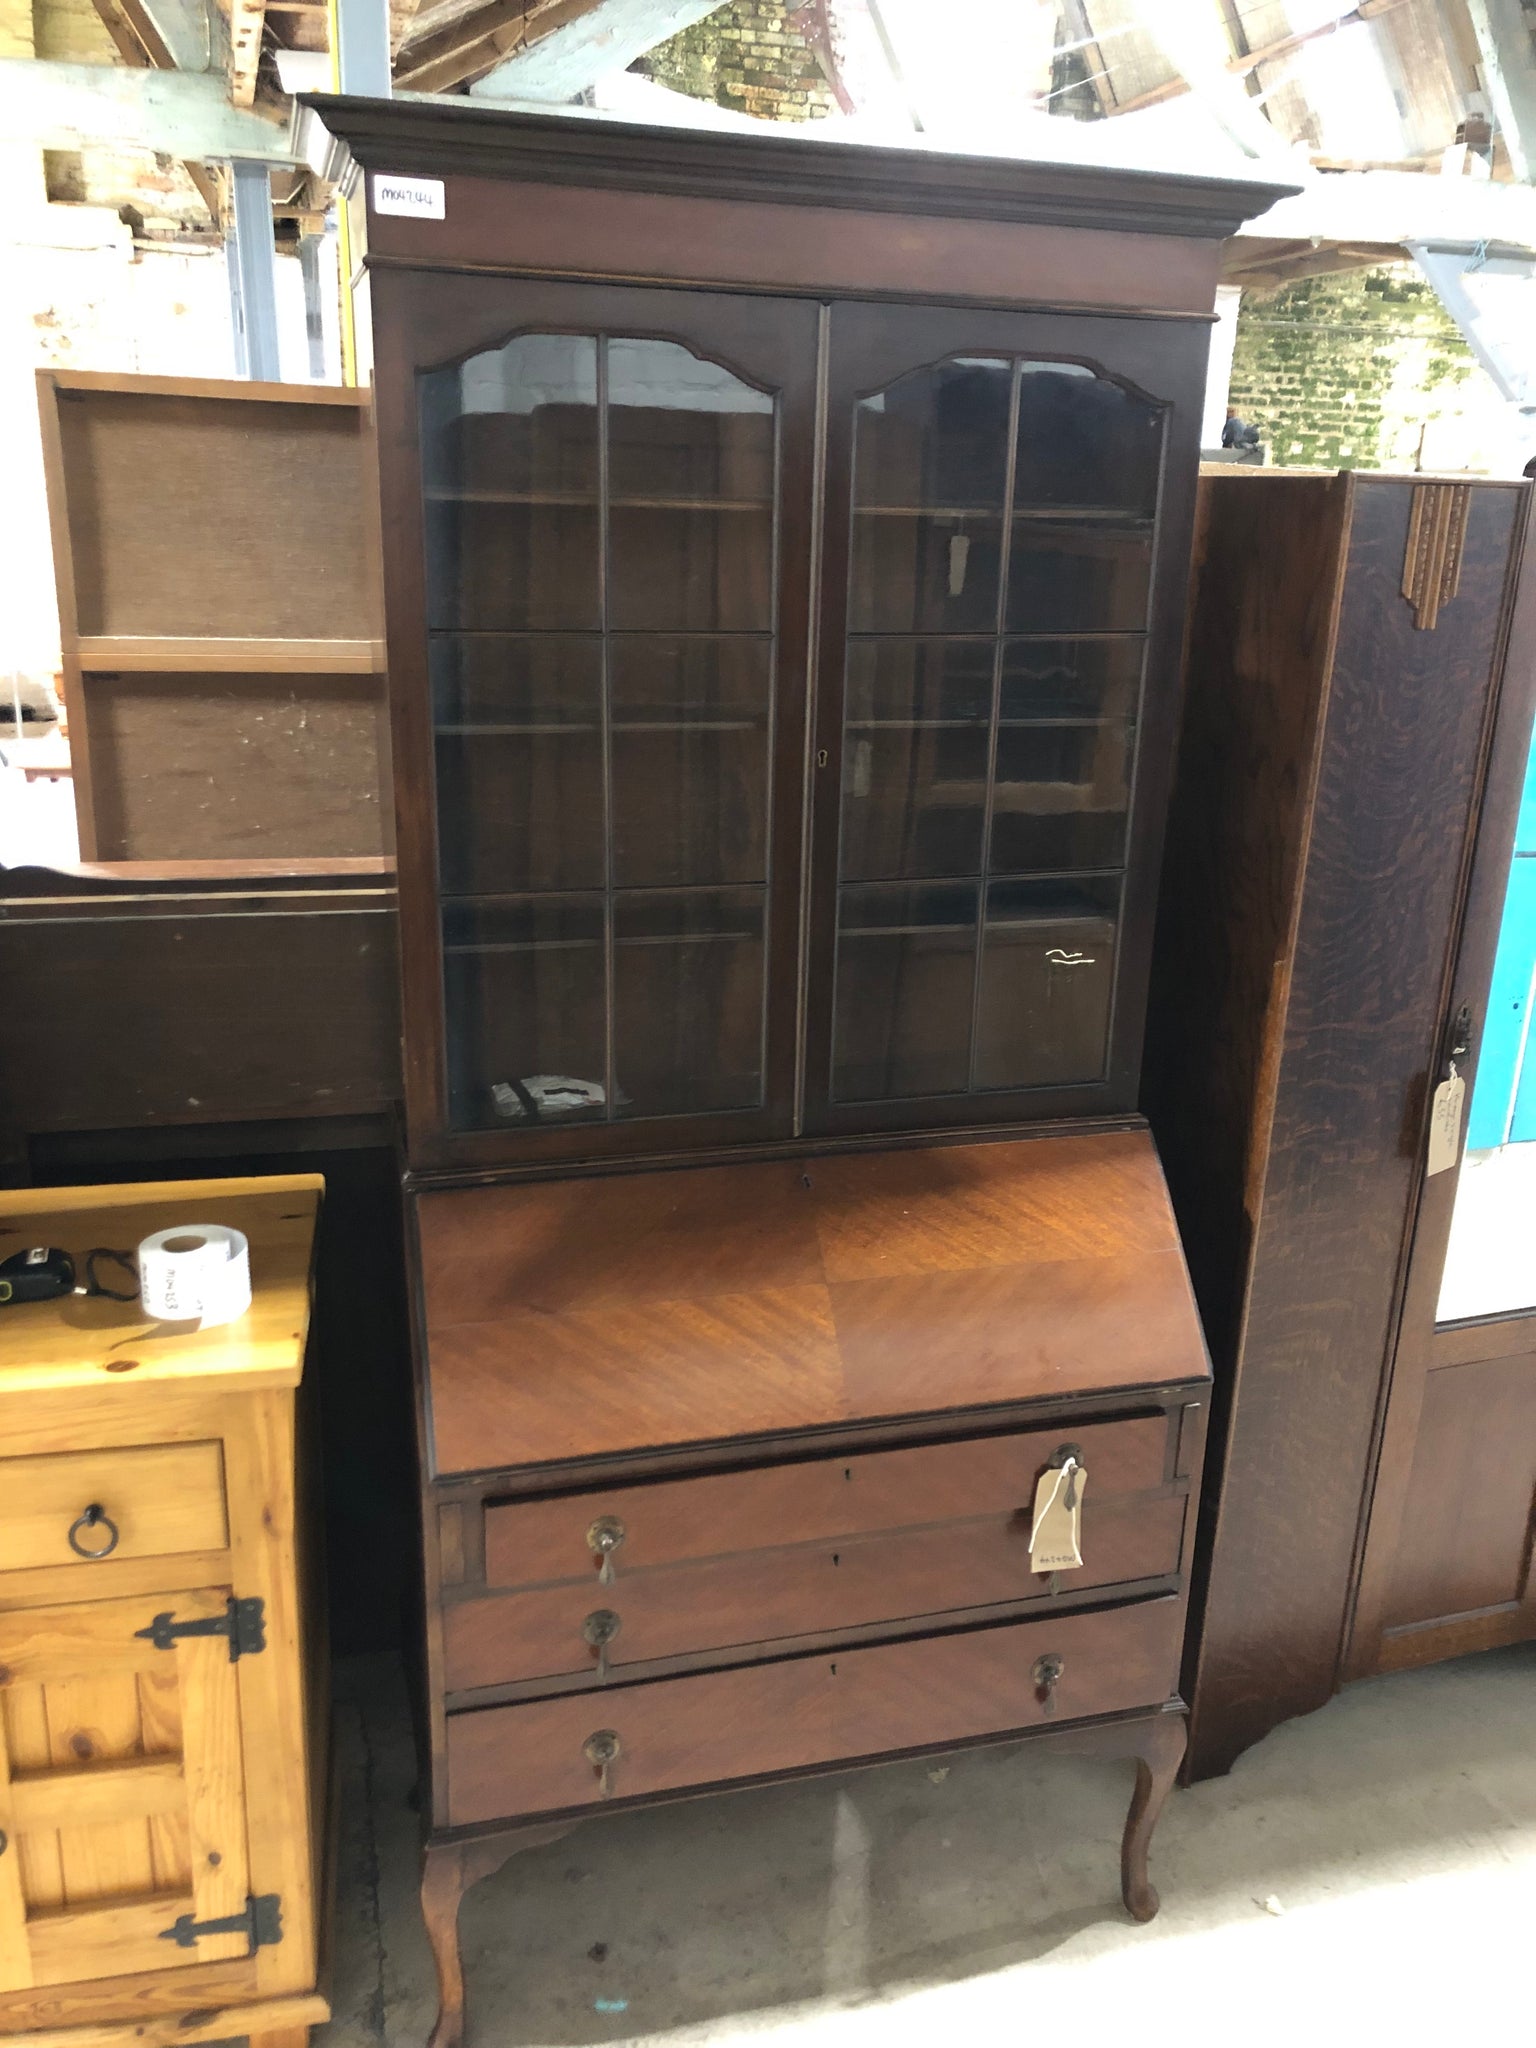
<point x="785" y="549"/>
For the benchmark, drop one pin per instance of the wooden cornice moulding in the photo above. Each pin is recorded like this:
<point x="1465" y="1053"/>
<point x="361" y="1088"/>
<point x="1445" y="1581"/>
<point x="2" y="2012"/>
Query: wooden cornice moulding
<point x="438" y="138"/>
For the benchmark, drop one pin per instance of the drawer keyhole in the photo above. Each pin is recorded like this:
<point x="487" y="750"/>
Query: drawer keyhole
<point x="597" y="1632"/>
<point x="602" y="1753"/>
<point x="603" y="1539"/>
<point x="93" y="1534"/>
<point x="1047" y="1676"/>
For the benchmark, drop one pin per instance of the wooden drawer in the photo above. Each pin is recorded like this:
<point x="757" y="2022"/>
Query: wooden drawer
<point x="762" y="1596"/>
<point x="162" y="1499"/>
<point x="805" y="1711"/>
<point x="529" y="1543"/>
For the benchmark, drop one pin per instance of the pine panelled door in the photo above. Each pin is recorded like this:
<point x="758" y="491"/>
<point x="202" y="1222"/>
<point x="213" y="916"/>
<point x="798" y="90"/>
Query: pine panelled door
<point x="162" y="1706"/>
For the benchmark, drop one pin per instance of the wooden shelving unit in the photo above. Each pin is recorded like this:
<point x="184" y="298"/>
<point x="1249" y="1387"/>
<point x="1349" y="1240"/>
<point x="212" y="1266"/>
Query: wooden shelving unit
<point x="219" y="607"/>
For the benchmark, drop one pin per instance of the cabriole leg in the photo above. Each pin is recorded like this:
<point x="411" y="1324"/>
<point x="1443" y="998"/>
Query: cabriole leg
<point x="1157" y="1766"/>
<point x="448" y="1871"/>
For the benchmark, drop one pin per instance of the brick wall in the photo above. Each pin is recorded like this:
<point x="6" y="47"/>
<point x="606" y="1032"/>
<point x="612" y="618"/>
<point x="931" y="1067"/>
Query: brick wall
<point x="1364" y="370"/>
<point x="749" y="56"/>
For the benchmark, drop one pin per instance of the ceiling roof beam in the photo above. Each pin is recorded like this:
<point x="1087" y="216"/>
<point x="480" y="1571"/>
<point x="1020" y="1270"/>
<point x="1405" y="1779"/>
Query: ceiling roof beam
<point x="475" y="41"/>
<point x="1266" y="53"/>
<point x="247" y="22"/>
<point x="182" y="113"/>
<point x="1506" y="40"/>
<point x="567" y="59"/>
<point x="172" y="35"/>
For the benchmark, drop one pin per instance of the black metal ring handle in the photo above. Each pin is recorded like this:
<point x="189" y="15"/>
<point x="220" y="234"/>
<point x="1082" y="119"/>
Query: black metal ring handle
<point x="95" y="1517"/>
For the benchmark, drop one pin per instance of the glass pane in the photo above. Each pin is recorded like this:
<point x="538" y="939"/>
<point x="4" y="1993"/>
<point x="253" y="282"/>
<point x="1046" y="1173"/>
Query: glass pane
<point x="510" y="465"/>
<point x="905" y="973"/>
<point x="909" y="682"/>
<point x="930" y="473"/>
<point x="1490" y="1261"/>
<point x="690" y="760"/>
<point x="523" y="983"/>
<point x="1047" y="971"/>
<point x="1070" y="679"/>
<point x="688" y="1001"/>
<point x="1068" y="576"/>
<point x="602" y="794"/>
<point x="914" y="800"/>
<point x="690" y="479"/>
<point x="1061" y="797"/>
<point x="999" y="582"/>
<point x="1084" y="441"/>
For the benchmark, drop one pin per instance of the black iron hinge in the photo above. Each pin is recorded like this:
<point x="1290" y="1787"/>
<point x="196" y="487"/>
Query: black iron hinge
<point x="261" y="1923"/>
<point x="243" y="1622"/>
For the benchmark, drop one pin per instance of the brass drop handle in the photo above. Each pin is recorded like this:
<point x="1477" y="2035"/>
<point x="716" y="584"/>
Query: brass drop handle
<point x="95" y="1517"/>
<point x="604" y="1538"/>
<point x="602" y="1753"/>
<point x="1047" y="1676"/>
<point x="597" y="1632"/>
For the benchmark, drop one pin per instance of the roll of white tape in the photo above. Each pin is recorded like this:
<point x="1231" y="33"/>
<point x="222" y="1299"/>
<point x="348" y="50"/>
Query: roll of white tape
<point x="195" y="1272"/>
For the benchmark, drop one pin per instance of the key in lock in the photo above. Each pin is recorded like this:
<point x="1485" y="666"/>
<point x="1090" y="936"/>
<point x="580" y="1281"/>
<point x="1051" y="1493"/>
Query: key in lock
<point x="603" y="1538"/>
<point x="597" y="1632"/>
<point x="601" y="1751"/>
<point x="1046" y="1673"/>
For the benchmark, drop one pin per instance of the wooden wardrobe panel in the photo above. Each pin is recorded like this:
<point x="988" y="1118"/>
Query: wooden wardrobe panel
<point x="1304" y="1275"/>
<point x="1465" y="1538"/>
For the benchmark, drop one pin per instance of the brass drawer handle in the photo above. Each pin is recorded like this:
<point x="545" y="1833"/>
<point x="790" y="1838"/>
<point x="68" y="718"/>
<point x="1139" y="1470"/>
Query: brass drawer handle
<point x="603" y="1539"/>
<point x="597" y="1632"/>
<point x="95" y="1517"/>
<point x="602" y="1753"/>
<point x="1047" y="1676"/>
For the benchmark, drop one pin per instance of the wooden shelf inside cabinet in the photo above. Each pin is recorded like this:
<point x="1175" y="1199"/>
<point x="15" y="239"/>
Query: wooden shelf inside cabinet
<point x="178" y="654"/>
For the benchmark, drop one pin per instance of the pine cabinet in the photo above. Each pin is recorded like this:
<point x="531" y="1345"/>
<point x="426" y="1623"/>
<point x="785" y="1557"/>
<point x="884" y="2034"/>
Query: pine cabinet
<point x="162" y="1708"/>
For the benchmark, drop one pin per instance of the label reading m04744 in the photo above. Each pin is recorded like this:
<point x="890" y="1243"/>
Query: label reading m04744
<point x="416" y="198"/>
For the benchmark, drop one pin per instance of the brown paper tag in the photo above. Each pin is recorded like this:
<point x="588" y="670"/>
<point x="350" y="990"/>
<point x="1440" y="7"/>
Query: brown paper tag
<point x="1445" y="1124"/>
<point x="1054" y="1536"/>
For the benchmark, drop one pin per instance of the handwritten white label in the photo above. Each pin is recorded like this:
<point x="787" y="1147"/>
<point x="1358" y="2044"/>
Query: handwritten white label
<point x="415" y="198"/>
<point x="1445" y="1124"/>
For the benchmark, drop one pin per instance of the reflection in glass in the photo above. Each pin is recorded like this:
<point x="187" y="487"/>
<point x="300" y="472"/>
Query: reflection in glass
<point x="523" y="982"/>
<point x="1060" y="797"/>
<point x="905" y="968"/>
<point x="999" y="583"/>
<point x="510" y="469"/>
<point x="688" y="1001"/>
<point x="930" y="463"/>
<point x="600" y="565"/>
<point x="689" y="737"/>
<point x="1047" y="969"/>
<point x="1085" y="442"/>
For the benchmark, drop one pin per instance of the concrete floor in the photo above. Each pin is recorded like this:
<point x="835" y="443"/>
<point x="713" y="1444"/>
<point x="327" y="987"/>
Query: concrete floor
<point x="1366" y="1874"/>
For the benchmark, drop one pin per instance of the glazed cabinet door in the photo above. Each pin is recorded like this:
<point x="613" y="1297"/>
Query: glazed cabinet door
<point x="598" y="572"/>
<point x="1008" y="513"/>
<point x="122" y="1794"/>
